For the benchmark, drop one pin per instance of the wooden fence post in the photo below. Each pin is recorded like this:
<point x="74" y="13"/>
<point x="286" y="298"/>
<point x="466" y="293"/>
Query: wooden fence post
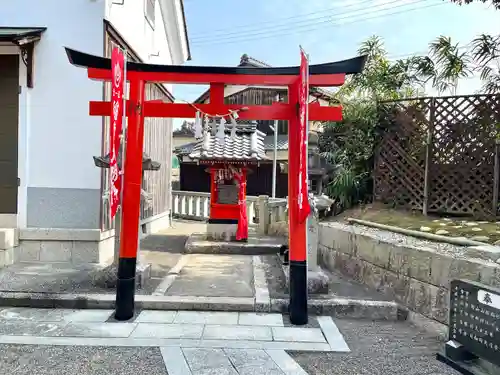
<point x="428" y="155"/>
<point x="496" y="178"/>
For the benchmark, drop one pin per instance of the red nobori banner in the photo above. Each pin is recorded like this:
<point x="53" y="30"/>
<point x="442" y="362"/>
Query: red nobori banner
<point x="303" y="194"/>
<point x="117" y="85"/>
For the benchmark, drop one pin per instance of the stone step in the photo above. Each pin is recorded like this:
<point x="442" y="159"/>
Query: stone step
<point x="198" y="244"/>
<point x="336" y="307"/>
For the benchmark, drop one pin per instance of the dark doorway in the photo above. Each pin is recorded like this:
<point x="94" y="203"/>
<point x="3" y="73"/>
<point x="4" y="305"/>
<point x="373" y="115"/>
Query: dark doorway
<point x="9" y="115"/>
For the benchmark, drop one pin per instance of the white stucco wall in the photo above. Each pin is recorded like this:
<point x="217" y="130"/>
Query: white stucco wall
<point x="59" y="100"/>
<point x="59" y="135"/>
<point x="60" y="186"/>
<point x="130" y="21"/>
<point x="154" y="44"/>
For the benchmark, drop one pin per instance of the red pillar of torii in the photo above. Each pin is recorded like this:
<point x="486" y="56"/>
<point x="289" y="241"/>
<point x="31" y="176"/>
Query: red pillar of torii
<point x="138" y="74"/>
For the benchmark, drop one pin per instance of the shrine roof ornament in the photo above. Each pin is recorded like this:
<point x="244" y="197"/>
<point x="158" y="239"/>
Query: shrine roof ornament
<point x="246" y="145"/>
<point x="85" y="60"/>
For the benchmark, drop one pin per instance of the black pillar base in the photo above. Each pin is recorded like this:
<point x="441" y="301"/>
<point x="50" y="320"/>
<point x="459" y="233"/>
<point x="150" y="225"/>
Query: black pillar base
<point x="286" y="257"/>
<point x="298" y="292"/>
<point x="460" y="367"/>
<point x="125" y="289"/>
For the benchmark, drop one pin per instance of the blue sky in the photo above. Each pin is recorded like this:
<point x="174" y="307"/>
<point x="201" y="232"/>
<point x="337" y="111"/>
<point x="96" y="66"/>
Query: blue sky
<point x="220" y="31"/>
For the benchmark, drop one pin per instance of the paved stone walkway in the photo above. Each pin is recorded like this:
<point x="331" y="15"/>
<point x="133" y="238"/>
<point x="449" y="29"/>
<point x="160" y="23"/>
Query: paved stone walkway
<point x="214" y="276"/>
<point x="90" y="342"/>
<point x="185" y="329"/>
<point x="190" y="342"/>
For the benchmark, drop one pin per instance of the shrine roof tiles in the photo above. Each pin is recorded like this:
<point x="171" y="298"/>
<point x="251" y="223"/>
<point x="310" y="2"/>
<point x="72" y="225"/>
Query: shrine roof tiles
<point x="282" y="145"/>
<point x="237" y="148"/>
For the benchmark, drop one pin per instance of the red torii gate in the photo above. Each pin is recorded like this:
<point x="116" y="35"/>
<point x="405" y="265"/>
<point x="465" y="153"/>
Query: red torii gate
<point x="138" y="74"/>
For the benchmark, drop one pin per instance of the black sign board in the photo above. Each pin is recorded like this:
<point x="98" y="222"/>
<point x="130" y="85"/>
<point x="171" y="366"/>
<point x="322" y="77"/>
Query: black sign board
<point x="227" y="193"/>
<point x="475" y="319"/>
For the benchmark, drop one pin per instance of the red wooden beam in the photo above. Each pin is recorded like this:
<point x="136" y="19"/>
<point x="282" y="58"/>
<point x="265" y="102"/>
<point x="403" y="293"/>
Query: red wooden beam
<point x="217" y="93"/>
<point x="325" y="80"/>
<point x="276" y="111"/>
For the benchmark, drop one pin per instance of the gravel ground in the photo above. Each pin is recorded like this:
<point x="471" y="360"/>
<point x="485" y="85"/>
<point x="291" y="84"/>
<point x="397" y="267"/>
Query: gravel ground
<point x="400" y="238"/>
<point x="71" y="360"/>
<point x="378" y="348"/>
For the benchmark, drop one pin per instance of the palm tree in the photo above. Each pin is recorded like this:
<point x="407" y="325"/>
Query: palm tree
<point x="450" y="64"/>
<point x="382" y="79"/>
<point x="486" y="54"/>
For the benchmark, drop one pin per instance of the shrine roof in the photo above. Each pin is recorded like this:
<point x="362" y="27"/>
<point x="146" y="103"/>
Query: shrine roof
<point x="246" y="145"/>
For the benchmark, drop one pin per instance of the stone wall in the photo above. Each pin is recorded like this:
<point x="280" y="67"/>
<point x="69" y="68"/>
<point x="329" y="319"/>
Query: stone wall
<point x="415" y="272"/>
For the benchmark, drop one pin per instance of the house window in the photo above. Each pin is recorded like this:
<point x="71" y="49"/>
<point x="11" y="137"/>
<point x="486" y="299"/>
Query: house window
<point x="149" y="11"/>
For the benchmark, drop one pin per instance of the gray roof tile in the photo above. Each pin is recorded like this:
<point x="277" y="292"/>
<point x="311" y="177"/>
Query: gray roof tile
<point x="268" y="141"/>
<point x="237" y="148"/>
<point x="282" y="142"/>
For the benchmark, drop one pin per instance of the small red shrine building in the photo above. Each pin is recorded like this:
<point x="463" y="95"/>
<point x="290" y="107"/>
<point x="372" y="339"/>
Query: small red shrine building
<point x="228" y="162"/>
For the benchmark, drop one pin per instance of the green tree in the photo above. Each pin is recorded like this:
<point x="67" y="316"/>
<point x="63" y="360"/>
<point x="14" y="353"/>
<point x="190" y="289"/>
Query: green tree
<point x="486" y="54"/>
<point x="186" y="129"/>
<point x="450" y="64"/>
<point x="381" y="78"/>
<point x="495" y="3"/>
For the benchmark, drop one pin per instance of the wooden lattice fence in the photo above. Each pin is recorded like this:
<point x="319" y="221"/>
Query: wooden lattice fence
<point x="440" y="155"/>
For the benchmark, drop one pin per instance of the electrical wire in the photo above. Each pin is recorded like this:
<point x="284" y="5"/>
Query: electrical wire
<point x="278" y="21"/>
<point x="314" y="21"/>
<point x="244" y="38"/>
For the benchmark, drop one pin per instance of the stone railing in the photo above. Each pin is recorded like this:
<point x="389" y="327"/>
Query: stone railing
<point x="277" y="210"/>
<point x="192" y="205"/>
<point x="262" y="210"/>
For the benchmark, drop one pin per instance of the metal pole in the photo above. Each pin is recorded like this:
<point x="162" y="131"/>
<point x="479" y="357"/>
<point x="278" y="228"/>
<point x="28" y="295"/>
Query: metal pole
<point x="275" y="150"/>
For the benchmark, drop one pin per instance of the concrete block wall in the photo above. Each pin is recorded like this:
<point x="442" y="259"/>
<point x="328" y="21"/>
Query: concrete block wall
<point x="56" y="245"/>
<point x="9" y="241"/>
<point x="60" y="245"/>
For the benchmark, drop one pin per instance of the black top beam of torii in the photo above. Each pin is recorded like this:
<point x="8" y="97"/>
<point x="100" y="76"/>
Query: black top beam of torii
<point x="349" y="66"/>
